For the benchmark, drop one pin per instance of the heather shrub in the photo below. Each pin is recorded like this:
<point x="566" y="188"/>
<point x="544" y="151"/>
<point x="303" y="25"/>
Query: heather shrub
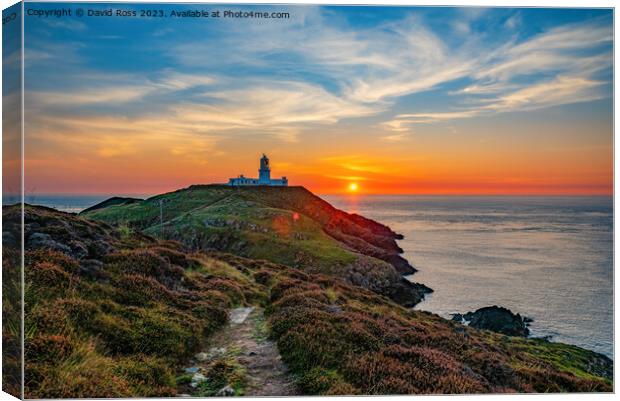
<point x="322" y="381"/>
<point x="48" y="280"/>
<point x="298" y="297"/>
<point x="126" y="331"/>
<point x="228" y="287"/>
<point x="307" y="346"/>
<point x="165" y="332"/>
<point x="340" y="339"/>
<point x="48" y="318"/>
<point x="286" y="319"/>
<point x="123" y="326"/>
<point x="173" y="253"/>
<point x="140" y="290"/>
<point x="80" y="312"/>
<point x="11" y="318"/>
<point x="212" y="314"/>
<point x="263" y="276"/>
<point x="222" y="372"/>
<point x="147" y="376"/>
<point x="83" y="374"/>
<point x="47" y="255"/>
<point x="115" y="333"/>
<point x="146" y="263"/>
<point x="48" y="348"/>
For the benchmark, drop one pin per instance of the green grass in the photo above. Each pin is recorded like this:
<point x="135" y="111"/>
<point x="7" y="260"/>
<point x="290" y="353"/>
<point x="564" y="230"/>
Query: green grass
<point x="124" y="230"/>
<point x="129" y="329"/>
<point x="11" y="320"/>
<point x="287" y="225"/>
<point x="261" y="329"/>
<point x="183" y="379"/>
<point x="124" y="331"/>
<point x="259" y="223"/>
<point x="225" y="371"/>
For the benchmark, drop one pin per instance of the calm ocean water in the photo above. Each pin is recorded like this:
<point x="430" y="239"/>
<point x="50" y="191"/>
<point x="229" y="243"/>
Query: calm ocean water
<point x="550" y="259"/>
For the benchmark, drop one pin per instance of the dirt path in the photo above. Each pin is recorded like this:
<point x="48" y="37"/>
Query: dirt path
<point x="239" y="360"/>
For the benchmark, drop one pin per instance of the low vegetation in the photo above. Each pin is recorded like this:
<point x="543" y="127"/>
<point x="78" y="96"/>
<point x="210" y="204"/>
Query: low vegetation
<point x="116" y="313"/>
<point x="116" y="322"/>
<point x="11" y="322"/>
<point x="286" y="225"/>
<point x="340" y="339"/>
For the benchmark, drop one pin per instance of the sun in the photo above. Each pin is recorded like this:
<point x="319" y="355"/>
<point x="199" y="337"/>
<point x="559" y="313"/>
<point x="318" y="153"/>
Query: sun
<point x="353" y="187"/>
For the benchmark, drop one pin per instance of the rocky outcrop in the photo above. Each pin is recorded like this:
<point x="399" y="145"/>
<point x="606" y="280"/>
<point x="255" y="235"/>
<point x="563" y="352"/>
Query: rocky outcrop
<point x="497" y="319"/>
<point x="409" y="294"/>
<point x="46" y="228"/>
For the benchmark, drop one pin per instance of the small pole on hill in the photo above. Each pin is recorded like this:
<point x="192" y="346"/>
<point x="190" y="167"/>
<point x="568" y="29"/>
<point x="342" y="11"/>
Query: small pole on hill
<point x="161" y="218"/>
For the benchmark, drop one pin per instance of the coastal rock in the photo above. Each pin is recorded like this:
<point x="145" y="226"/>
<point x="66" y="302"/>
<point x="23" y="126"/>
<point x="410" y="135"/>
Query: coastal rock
<point x="8" y="239"/>
<point x="495" y="318"/>
<point x="101" y="248"/>
<point x="458" y="317"/>
<point x="78" y="249"/>
<point x="409" y="294"/>
<point x="41" y="240"/>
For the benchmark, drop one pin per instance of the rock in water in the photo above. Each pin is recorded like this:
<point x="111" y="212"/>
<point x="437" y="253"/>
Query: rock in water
<point x="457" y="317"/>
<point x="497" y="319"/>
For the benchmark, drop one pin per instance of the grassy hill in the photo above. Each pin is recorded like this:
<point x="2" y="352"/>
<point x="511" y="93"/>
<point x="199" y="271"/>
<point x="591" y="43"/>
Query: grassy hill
<point x="285" y="225"/>
<point x="115" y="313"/>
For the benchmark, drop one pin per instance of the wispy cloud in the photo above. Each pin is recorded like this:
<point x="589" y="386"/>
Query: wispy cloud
<point x="559" y="91"/>
<point x="89" y="96"/>
<point x="279" y="78"/>
<point x="372" y="68"/>
<point x="551" y="69"/>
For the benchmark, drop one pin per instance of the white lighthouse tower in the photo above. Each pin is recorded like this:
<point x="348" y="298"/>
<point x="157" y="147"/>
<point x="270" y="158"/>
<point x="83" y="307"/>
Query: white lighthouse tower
<point x="264" y="177"/>
<point x="264" y="173"/>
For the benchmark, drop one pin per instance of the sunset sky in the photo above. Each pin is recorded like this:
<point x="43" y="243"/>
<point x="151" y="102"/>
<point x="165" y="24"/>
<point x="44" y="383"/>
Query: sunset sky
<point x="392" y="99"/>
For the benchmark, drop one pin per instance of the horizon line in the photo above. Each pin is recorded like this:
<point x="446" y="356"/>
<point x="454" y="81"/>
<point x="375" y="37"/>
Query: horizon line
<point x="144" y="194"/>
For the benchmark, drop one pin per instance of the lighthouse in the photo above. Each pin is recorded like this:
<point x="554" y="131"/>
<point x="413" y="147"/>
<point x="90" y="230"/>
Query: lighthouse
<point x="264" y="173"/>
<point x="264" y="177"/>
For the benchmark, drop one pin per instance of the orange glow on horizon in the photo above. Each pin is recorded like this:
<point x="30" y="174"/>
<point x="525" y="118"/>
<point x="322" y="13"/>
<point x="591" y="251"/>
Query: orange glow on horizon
<point x="355" y="165"/>
<point x="143" y="182"/>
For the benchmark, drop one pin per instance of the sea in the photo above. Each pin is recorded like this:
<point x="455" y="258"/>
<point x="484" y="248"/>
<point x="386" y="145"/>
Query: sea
<point x="547" y="258"/>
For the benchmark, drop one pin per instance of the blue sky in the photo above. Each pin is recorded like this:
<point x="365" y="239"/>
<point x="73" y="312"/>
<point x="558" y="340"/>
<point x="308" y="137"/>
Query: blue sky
<point x="380" y="75"/>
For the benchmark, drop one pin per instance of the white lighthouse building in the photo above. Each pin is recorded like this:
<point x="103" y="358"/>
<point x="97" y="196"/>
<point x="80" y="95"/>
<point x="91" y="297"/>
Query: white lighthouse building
<point x="264" y="177"/>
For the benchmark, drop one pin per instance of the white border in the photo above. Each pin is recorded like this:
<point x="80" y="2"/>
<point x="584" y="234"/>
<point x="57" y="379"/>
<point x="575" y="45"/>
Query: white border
<point x="482" y="3"/>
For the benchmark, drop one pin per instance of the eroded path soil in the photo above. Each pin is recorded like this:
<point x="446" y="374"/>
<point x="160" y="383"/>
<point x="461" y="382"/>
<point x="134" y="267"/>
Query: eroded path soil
<point x="239" y="360"/>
